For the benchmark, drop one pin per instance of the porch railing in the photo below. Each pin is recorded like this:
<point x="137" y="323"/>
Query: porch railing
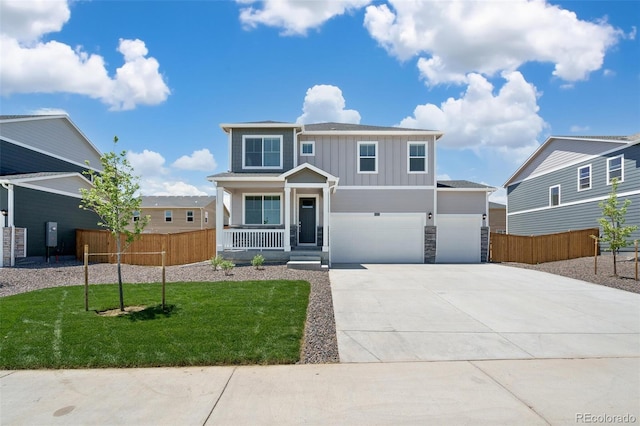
<point x="254" y="239"/>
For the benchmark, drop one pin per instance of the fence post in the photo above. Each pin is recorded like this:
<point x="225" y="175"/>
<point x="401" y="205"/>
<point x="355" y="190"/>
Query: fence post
<point x="163" y="276"/>
<point x="595" y="255"/>
<point x="86" y="277"/>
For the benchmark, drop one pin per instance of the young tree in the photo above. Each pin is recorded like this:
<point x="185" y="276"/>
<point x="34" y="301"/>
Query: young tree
<point x="613" y="229"/>
<point x="113" y="198"/>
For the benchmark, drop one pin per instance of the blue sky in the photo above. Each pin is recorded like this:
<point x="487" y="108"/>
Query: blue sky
<point x="498" y="77"/>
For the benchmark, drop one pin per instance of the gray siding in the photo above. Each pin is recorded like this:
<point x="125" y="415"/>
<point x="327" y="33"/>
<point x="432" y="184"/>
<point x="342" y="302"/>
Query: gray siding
<point x="338" y="155"/>
<point x="534" y="193"/>
<point x="55" y="136"/>
<point x="15" y="159"/>
<point x="236" y="148"/>
<point x="462" y="202"/>
<point x="382" y="201"/>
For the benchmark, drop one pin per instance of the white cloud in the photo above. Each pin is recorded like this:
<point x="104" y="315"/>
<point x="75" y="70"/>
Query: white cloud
<point x="325" y="103"/>
<point x="28" y="65"/>
<point x="201" y="160"/>
<point x="609" y="73"/>
<point x="48" y="111"/>
<point x="462" y="37"/>
<point x="499" y="196"/>
<point x="506" y="122"/>
<point x="147" y="163"/>
<point x="579" y="129"/>
<point x="155" y="187"/>
<point x="295" y="17"/>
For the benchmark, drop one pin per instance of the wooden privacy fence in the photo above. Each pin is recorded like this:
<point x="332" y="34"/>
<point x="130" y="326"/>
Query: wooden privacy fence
<point x="542" y="248"/>
<point x="181" y="248"/>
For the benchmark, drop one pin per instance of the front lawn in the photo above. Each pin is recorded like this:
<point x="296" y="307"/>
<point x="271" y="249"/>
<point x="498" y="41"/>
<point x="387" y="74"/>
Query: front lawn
<point x="207" y="323"/>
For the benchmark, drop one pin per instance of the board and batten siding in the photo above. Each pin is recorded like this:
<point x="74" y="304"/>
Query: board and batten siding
<point x="338" y="155"/>
<point x="236" y="148"/>
<point x="382" y="201"/>
<point x="16" y="159"/>
<point x="54" y="136"/>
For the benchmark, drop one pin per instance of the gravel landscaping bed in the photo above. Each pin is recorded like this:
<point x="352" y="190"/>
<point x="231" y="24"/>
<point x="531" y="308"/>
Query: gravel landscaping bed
<point x="583" y="269"/>
<point x="320" y="344"/>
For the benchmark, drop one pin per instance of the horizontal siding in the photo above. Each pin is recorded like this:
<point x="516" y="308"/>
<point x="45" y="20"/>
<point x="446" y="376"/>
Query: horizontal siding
<point x="460" y="202"/>
<point x="236" y="148"/>
<point x="55" y="136"/>
<point x="338" y="155"/>
<point x="382" y="201"/>
<point x="15" y="159"/>
<point x="157" y="224"/>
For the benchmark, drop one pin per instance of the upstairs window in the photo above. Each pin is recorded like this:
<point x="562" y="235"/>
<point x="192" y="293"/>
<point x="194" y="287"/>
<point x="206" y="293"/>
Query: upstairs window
<point x="168" y="216"/>
<point x="307" y="148"/>
<point x="262" y="152"/>
<point x="584" y="178"/>
<point x="417" y="153"/>
<point x="554" y="195"/>
<point x="367" y="157"/>
<point x="189" y="215"/>
<point x="262" y="210"/>
<point x="615" y="168"/>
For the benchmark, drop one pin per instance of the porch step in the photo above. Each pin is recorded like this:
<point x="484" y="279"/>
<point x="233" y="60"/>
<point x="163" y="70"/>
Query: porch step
<point x="306" y="263"/>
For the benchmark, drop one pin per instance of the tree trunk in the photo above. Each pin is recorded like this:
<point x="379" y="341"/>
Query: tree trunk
<point x="118" y="244"/>
<point x="615" y="271"/>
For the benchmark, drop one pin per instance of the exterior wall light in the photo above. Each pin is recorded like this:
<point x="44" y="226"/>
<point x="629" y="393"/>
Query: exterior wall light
<point x="430" y="215"/>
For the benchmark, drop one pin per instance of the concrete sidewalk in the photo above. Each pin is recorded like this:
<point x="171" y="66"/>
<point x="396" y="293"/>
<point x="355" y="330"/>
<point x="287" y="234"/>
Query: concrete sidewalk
<point x="523" y="392"/>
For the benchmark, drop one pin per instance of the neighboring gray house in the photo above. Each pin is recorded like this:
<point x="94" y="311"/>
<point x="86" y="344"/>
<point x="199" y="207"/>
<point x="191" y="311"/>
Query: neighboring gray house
<point x="559" y="187"/>
<point x="42" y="158"/>
<point x="351" y="193"/>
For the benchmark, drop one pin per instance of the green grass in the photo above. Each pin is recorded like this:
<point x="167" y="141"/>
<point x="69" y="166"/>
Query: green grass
<point x="251" y="322"/>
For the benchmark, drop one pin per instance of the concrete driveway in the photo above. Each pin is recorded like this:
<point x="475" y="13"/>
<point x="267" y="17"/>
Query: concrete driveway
<point x="391" y="313"/>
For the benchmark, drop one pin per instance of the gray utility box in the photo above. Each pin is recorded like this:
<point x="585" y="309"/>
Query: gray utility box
<point x="52" y="234"/>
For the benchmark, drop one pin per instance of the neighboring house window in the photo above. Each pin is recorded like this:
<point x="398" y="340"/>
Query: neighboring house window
<point x="615" y="168"/>
<point x="262" y="210"/>
<point x="417" y="153"/>
<point x="168" y="216"/>
<point x="308" y="148"/>
<point x="262" y="152"/>
<point x="189" y="215"/>
<point x="136" y="216"/>
<point x="367" y="157"/>
<point x="584" y="178"/>
<point x="206" y="217"/>
<point x="554" y="195"/>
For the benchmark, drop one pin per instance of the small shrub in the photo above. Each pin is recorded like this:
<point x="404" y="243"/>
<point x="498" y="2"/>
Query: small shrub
<point x="216" y="262"/>
<point x="257" y="261"/>
<point x="227" y="266"/>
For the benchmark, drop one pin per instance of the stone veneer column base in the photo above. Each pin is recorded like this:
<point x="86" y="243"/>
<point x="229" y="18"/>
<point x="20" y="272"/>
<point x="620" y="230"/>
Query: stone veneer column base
<point x="484" y="244"/>
<point x="430" y="244"/>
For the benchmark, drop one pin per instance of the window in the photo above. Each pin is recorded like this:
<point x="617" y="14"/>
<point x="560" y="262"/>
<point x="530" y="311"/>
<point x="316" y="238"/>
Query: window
<point x="262" y="152"/>
<point x="308" y="148"/>
<point x="615" y="168"/>
<point x="206" y="217"/>
<point x="168" y="216"/>
<point x="189" y="215"/>
<point x="554" y="195"/>
<point x="262" y="210"/>
<point x="584" y="178"/>
<point x="417" y="153"/>
<point x="136" y="216"/>
<point x="367" y="157"/>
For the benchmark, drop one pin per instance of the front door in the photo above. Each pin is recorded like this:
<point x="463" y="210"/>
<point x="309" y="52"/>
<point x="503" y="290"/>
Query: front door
<point x="307" y="218"/>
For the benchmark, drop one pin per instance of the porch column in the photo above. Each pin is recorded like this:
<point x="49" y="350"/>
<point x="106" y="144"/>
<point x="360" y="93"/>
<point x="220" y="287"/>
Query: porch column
<point x="325" y="215"/>
<point x="219" y="219"/>
<point x="287" y="218"/>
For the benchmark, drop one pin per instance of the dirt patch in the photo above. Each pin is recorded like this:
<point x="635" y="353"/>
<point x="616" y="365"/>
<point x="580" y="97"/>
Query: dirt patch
<point x="117" y="312"/>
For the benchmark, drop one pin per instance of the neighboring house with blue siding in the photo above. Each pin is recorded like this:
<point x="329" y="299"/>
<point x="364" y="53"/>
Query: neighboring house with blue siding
<point x="560" y="186"/>
<point x="349" y="193"/>
<point x="42" y="158"/>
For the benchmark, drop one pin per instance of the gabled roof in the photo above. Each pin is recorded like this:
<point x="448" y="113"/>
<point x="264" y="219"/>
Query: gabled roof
<point x="177" y="201"/>
<point x="307" y="166"/>
<point x="463" y="185"/>
<point x="493" y="205"/>
<point x="64" y="183"/>
<point x="594" y="146"/>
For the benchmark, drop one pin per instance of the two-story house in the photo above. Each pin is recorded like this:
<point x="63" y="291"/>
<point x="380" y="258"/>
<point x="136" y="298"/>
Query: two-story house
<point x="351" y="193"/>
<point x="561" y="184"/>
<point x="42" y="160"/>
<point x="178" y="213"/>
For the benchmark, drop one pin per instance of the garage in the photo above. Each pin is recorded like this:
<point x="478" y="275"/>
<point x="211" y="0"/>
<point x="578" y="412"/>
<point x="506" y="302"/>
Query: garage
<point x="458" y="238"/>
<point x="377" y="238"/>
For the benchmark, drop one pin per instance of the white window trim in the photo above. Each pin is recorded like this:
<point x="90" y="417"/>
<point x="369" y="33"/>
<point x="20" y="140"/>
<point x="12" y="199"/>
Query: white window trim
<point x="621" y="156"/>
<point x="206" y="217"/>
<point x="313" y="148"/>
<point x="588" y="166"/>
<point x="244" y="152"/>
<point x="426" y="157"/>
<point x="261" y="194"/>
<point x="136" y="216"/>
<point x="375" y="143"/>
<point x="193" y="216"/>
<point x="170" y="217"/>
<point x="551" y="197"/>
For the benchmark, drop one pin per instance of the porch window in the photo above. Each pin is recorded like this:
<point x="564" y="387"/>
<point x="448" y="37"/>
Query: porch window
<point x="367" y="157"/>
<point x="262" y="210"/>
<point x="615" y="168"/>
<point x="554" y="195"/>
<point x="417" y="153"/>
<point x="584" y="178"/>
<point x="262" y="152"/>
<point x="189" y="215"/>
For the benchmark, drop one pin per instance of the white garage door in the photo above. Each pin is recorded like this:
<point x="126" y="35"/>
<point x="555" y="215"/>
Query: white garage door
<point x="388" y="238"/>
<point x="458" y="238"/>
